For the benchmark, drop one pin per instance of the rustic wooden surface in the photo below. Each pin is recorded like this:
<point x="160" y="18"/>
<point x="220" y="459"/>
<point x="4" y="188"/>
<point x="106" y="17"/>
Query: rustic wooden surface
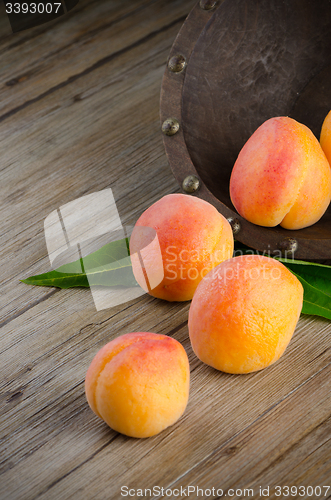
<point x="79" y="112"/>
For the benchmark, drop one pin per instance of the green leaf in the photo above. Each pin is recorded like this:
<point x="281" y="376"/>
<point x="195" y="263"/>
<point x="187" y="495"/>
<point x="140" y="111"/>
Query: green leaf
<point x="315" y="279"/>
<point x="108" y="266"/>
<point x="317" y="275"/>
<point x="111" y="266"/>
<point x="315" y="302"/>
<point x="59" y="280"/>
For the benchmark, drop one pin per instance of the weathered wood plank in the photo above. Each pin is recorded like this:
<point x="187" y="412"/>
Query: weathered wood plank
<point x="285" y="445"/>
<point x="51" y="175"/>
<point x="77" y="136"/>
<point x="66" y="116"/>
<point x="74" y="45"/>
<point x="235" y="401"/>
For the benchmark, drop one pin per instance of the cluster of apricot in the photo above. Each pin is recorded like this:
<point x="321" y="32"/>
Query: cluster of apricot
<point x="244" y="309"/>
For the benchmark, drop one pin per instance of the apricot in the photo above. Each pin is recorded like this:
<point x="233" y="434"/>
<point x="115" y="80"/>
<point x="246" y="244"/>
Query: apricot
<point x="325" y="138"/>
<point x="191" y="237"/>
<point x="243" y="314"/>
<point x="139" y="383"/>
<point x="281" y="176"/>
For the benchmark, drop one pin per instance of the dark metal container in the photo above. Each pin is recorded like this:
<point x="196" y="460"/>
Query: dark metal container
<point x="233" y="65"/>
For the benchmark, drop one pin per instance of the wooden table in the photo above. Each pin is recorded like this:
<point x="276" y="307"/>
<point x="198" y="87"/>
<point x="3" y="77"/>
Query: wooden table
<point x="79" y="113"/>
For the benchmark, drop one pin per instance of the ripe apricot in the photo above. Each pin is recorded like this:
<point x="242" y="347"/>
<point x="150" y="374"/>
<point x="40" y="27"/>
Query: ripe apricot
<point x="243" y="314"/>
<point x="325" y="138"/>
<point x="192" y="237"/>
<point x="281" y="176"/>
<point x="139" y="383"/>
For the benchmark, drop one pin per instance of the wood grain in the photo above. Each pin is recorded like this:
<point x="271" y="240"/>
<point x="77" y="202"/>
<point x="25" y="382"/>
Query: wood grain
<point x="53" y="173"/>
<point x="81" y="113"/>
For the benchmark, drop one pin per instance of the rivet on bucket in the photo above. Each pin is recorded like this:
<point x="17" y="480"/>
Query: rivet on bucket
<point x="191" y="184"/>
<point x="177" y="63"/>
<point x="170" y="126"/>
